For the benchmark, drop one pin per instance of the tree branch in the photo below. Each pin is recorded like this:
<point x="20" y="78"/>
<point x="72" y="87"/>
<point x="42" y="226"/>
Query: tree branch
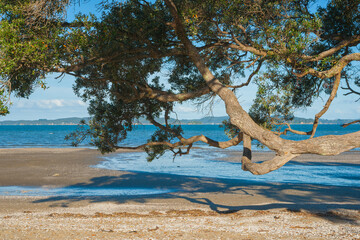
<point x="289" y="129"/>
<point x="247" y="48"/>
<point x="238" y="116"/>
<point x="321" y="113"/>
<point x="189" y="141"/>
<point x="244" y="47"/>
<point x="285" y="149"/>
<point x="327" y="105"/>
<point x="249" y="78"/>
<point x="164" y="96"/>
<point x="348" y="124"/>
<point x="352" y="91"/>
<point x="266" y="166"/>
<point x="183" y="141"/>
<point x="348" y="42"/>
<point x="336" y="69"/>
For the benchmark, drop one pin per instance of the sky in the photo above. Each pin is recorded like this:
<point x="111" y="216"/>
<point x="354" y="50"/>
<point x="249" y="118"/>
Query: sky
<point x="59" y="101"/>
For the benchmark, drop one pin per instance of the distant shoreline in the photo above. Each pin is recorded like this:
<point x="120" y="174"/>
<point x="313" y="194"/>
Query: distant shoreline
<point x="148" y="124"/>
<point x="143" y="121"/>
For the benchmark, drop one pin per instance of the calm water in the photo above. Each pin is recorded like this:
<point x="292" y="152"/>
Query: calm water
<point x="200" y="163"/>
<point x="53" y="136"/>
<point x="79" y="191"/>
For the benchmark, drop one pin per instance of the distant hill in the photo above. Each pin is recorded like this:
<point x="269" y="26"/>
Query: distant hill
<point x="219" y="120"/>
<point x="60" y="121"/>
<point x="298" y="120"/>
<point x="201" y="121"/>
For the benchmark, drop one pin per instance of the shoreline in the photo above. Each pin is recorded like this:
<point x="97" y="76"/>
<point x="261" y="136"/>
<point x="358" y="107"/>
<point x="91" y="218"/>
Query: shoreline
<point x="61" y="167"/>
<point x="205" y="208"/>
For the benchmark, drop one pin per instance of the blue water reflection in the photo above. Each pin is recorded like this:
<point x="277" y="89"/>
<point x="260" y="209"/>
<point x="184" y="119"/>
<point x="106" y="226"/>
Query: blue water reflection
<point x="79" y="191"/>
<point x="203" y="163"/>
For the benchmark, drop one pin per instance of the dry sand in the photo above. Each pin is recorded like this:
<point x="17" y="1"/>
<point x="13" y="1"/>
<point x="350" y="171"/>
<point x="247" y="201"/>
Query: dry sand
<point x="204" y="208"/>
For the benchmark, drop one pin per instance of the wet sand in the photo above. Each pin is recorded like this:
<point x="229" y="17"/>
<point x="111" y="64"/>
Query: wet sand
<point x="203" y="208"/>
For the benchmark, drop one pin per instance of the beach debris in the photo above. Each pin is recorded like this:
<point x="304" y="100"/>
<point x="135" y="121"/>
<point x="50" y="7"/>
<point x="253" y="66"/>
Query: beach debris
<point x="153" y="229"/>
<point x="301" y="227"/>
<point x="67" y="215"/>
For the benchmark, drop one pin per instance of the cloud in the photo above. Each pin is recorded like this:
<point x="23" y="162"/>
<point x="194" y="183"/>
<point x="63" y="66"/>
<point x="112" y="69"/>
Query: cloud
<point x="358" y="109"/>
<point x="49" y="103"/>
<point x="81" y="103"/>
<point x="185" y="109"/>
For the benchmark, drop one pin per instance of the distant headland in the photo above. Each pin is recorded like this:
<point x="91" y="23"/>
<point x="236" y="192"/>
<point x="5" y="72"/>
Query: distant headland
<point x="143" y="121"/>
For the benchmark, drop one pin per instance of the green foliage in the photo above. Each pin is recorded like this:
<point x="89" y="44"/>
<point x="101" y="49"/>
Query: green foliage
<point x="29" y="44"/>
<point x="160" y="135"/>
<point x="185" y="77"/>
<point x="119" y="57"/>
<point x="341" y="20"/>
<point x="230" y="130"/>
<point x="4" y="109"/>
<point x="273" y="103"/>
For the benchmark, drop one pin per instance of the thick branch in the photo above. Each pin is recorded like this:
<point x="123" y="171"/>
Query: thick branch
<point x="349" y="42"/>
<point x="238" y="116"/>
<point x="285" y="149"/>
<point x="324" y="145"/>
<point x="246" y="48"/>
<point x="336" y="69"/>
<point x="266" y="166"/>
<point x="164" y="96"/>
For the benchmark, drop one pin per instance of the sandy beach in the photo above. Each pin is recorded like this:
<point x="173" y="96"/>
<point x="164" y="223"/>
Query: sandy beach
<point x="202" y="208"/>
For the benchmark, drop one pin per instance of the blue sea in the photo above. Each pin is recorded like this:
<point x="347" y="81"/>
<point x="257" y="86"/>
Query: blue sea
<point x="53" y="136"/>
<point x="202" y="162"/>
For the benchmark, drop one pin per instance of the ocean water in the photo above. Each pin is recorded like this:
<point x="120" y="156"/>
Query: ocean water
<point x="53" y="135"/>
<point x="200" y="163"/>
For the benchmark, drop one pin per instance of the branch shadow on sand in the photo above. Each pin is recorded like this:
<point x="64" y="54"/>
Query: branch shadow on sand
<point x="221" y="195"/>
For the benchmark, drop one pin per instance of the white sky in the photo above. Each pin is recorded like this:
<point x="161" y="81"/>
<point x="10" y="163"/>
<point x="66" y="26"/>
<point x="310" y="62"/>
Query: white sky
<point x="59" y="101"/>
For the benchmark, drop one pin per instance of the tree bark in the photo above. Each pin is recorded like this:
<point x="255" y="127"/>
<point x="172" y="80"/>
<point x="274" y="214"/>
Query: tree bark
<point x="285" y="149"/>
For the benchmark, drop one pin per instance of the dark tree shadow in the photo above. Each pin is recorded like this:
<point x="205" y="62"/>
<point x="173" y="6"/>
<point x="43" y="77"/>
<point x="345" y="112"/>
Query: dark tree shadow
<point x="321" y="200"/>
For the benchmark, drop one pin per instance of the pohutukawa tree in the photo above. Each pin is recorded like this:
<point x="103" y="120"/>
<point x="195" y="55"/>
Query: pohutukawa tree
<point x="292" y="51"/>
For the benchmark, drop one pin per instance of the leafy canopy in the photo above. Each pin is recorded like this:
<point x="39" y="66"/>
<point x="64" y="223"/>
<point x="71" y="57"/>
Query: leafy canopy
<point x="291" y="51"/>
